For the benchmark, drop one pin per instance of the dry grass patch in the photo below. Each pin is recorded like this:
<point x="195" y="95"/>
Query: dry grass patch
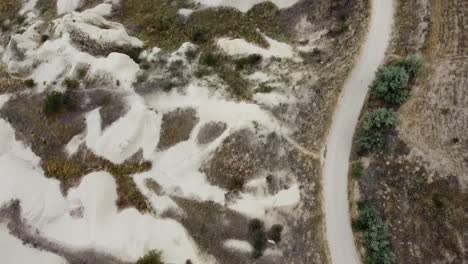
<point x="159" y="23"/>
<point x="70" y="171"/>
<point x="7" y="83"/>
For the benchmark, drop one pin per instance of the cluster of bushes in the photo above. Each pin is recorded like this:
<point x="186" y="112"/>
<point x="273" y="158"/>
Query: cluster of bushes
<point x="373" y="129"/>
<point x="391" y="82"/>
<point x="376" y="236"/>
<point x="391" y="86"/>
<point x="237" y="85"/>
<point x="258" y="236"/>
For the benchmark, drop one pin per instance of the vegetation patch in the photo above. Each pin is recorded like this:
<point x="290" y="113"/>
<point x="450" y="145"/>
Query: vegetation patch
<point x="70" y="171"/>
<point x="357" y="170"/>
<point x="7" y="83"/>
<point x="152" y="257"/>
<point x="9" y="11"/>
<point x="376" y="236"/>
<point x="248" y="62"/>
<point x="258" y="236"/>
<point x="226" y="70"/>
<point x="159" y="24"/>
<point x="373" y="129"/>
<point x="391" y="82"/>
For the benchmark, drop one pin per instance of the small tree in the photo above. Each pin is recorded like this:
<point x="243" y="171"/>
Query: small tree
<point x="390" y="84"/>
<point x="152" y="257"/>
<point x="371" y="132"/>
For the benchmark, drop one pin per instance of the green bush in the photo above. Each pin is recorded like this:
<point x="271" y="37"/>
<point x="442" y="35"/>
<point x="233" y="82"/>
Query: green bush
<point x="390" y="84"/>
<point x="152" y="257"/>
<point x="376" y="237"/>
<point x="71" y="84"/>
<point x="53" y="102"/>
<point x="191" y="54"/>
<point x="210" y="59"/>
<point x="264" y="88"/>
<point x="275" y="233"/>
<point x="30" y="83"/>
<point x="357" y="170"/>
<point x="249" y="61"/>
<point x="257" y="237"/>
<point x="371" y="132"/>
<point x="412" y="64"/>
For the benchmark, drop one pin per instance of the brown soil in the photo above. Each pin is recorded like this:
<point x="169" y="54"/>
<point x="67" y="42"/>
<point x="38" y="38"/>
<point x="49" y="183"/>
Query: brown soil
<point x="210" y="131"/>
<point x="177" y="126"/>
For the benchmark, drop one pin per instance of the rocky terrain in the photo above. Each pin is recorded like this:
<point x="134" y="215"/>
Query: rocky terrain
<point x="186" y="131"/>
<point x="417" y="181"/>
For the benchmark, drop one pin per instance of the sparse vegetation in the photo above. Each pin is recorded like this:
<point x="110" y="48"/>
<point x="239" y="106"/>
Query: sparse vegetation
<point x="9" y="10"/>
<point x="373" y="128"/>
<point x="191" y="54"/>
<point x="249" y="61"/>
<point x="210" y="59"/>
<point x="376" y="236"/>
<point x="264" y="88"/>
<point x="69" y="171"/>
<point x="152" y="257"/>
<point x="412" y="64"/>
<point x="71" y="84"/>
<point x="357" y="170"/>
<point x="166" y="29"/>
<point x="236" y="184"/>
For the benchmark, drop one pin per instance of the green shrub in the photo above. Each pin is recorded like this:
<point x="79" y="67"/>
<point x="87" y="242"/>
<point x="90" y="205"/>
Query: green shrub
<point x="210" y="59"/>
<point x="236" y="184"/>
<point x="357" y="170"/>
<point x="376" y="237"/>
<point x="71" y="84"/>
<point x="264" y="88"/>
<point x="412" y="64"/>
<point x="249" y="61"/>
<point x="191" y="54"/>
<point x="390" y="84"/>
<point x="53" y="102"/>
<point x="371" y="132"/>
<point x="152" y="257"/>
<point x="257" y="237"/>
<point x="29" y="83"/>
<point x="275" y="233"/>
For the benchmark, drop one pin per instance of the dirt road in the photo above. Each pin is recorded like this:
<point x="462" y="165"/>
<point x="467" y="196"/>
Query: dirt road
<point x="335" y="178"/>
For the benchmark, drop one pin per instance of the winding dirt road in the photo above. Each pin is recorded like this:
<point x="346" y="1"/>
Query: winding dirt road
<point x="335" y="178"/>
